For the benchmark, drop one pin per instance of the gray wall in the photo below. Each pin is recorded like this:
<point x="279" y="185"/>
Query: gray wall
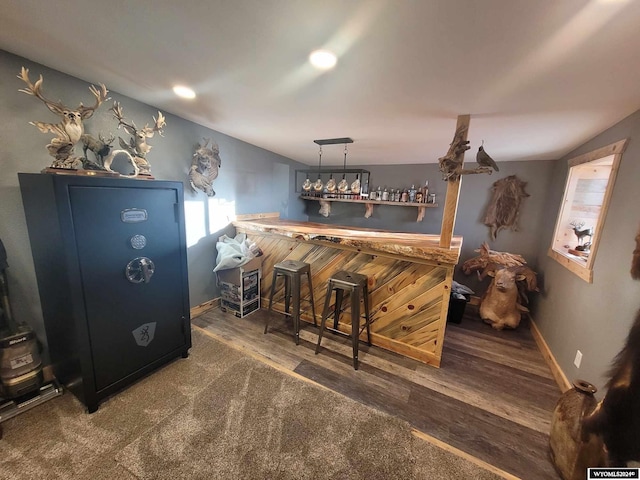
<point x="593" y="318"/>
<point x="251" y="179"/>
<point x="474" y="197"/>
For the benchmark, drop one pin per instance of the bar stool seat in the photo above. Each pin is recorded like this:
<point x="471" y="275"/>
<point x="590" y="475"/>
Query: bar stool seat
<point x="292" y="271"/>
<point x="356" y="285"/>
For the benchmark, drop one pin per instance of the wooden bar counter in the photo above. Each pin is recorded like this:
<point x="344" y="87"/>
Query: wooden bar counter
<point x="409" y="277"/>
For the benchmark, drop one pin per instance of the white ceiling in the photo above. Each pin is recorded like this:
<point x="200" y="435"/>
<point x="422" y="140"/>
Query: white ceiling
<point x="539" y="77"/>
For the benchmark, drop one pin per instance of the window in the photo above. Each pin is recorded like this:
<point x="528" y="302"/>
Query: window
<point x="584" y="208"/>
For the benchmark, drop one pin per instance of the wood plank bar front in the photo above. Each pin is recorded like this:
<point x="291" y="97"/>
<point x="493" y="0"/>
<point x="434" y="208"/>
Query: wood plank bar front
<point x="409" y="277"/>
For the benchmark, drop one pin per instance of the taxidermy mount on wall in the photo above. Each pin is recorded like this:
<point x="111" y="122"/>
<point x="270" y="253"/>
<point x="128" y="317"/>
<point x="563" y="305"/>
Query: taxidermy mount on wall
<point x="138" y="147"/>
<point x="204" y="167"/>
<point x="70" y="129"/>
<point x="504" y="208"/>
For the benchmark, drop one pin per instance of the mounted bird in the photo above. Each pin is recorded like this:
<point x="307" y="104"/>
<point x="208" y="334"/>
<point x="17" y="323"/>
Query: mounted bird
<point x="484" y="160"/>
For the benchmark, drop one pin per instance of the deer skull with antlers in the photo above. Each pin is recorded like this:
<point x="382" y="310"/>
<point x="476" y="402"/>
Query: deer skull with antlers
<point x="70" y="129"/>
<point x="137" y="146"/>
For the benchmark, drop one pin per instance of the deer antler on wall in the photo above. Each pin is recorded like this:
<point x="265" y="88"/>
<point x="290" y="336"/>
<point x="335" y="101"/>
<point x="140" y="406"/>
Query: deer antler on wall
<point x="70" y="129"/>
<point x="138" y="146"/>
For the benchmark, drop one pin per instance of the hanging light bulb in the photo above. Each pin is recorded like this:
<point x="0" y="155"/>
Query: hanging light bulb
<point x="331" y="184"/>
<point x="306" y="185"/>
<point x="343" y="186"/>
<point x="317" y="186"/>
<point x="355" y="186"/>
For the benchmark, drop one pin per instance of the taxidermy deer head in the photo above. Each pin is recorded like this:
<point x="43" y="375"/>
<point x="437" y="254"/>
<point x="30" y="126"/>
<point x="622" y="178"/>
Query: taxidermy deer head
<point x="137" y="145"/>
<point x="70" y="128"/>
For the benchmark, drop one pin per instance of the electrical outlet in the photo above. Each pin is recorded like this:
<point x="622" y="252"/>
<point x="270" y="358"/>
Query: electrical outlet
<point x="578" y="359"/>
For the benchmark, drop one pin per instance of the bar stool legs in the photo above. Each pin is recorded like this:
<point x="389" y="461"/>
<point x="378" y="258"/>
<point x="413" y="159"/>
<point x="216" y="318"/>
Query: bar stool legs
<point x="355" y="284"/>
<point x="313" y="302"/>
<point x="292" y="271"/>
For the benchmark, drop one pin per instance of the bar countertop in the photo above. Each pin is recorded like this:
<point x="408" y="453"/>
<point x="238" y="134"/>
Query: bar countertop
<point x="411" y="245"/>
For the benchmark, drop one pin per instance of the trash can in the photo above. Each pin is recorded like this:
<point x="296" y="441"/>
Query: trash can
<point x="457" y="306"/>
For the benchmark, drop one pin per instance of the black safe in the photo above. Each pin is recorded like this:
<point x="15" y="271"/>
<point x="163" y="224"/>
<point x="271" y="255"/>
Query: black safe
<point x="111" y="264"/>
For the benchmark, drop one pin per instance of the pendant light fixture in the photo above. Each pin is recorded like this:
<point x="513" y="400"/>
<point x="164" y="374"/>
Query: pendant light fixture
<point x="306" y="185"/>
<point x="343" y="186"/>
<point x="317" y="186"/>
<point x="355" y="186"/>
<point x="330" y="187"/>
<point x="331" y="184"/>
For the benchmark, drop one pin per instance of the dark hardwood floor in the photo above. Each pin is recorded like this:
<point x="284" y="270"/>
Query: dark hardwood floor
<point x="492" y="397"/>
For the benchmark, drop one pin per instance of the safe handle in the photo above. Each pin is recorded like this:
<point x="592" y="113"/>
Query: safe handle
<point x="140" y="270"/>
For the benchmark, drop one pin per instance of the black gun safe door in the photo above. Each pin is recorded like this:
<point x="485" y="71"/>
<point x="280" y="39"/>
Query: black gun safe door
<point x="110" y="258"/>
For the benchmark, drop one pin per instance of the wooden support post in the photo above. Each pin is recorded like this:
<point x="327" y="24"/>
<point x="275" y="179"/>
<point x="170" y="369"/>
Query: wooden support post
<point x="453" y="193"/>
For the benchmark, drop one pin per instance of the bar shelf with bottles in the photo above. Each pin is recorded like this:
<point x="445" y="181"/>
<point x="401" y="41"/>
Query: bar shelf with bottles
<point x="327" y="191"/>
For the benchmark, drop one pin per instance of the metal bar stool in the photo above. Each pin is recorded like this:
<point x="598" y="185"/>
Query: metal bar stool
<point x="292" y="271"/>
<point x="356" y="285"/>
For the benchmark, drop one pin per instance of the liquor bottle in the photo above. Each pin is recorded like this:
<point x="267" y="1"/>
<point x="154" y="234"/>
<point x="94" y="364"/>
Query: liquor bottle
<point x="364" y="193"/>
<point x="425" y="191"/>
<point x="419" y="197"/>
<point x="379" y="193"/>
<point x="385" y="194"/>
<point x="412" y="194"/>
<point x="405" y="196"/>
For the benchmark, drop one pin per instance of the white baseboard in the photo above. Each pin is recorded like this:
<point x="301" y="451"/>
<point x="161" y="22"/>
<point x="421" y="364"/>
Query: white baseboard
<point x="561" y="379"/>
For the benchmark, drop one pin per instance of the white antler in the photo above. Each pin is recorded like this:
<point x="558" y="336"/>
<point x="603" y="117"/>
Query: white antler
<point x="35" y="89"/>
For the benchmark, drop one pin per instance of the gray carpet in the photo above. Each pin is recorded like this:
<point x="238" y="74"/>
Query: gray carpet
<point x="221" y="414"/>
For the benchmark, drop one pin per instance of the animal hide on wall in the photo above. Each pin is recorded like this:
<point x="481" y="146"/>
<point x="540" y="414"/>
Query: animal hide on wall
<point x="504" y="207"/>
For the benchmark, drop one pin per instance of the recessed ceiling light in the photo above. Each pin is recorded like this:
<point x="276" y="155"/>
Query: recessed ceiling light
<point x="184" y="92"/>
<point x="323" y="59"/>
